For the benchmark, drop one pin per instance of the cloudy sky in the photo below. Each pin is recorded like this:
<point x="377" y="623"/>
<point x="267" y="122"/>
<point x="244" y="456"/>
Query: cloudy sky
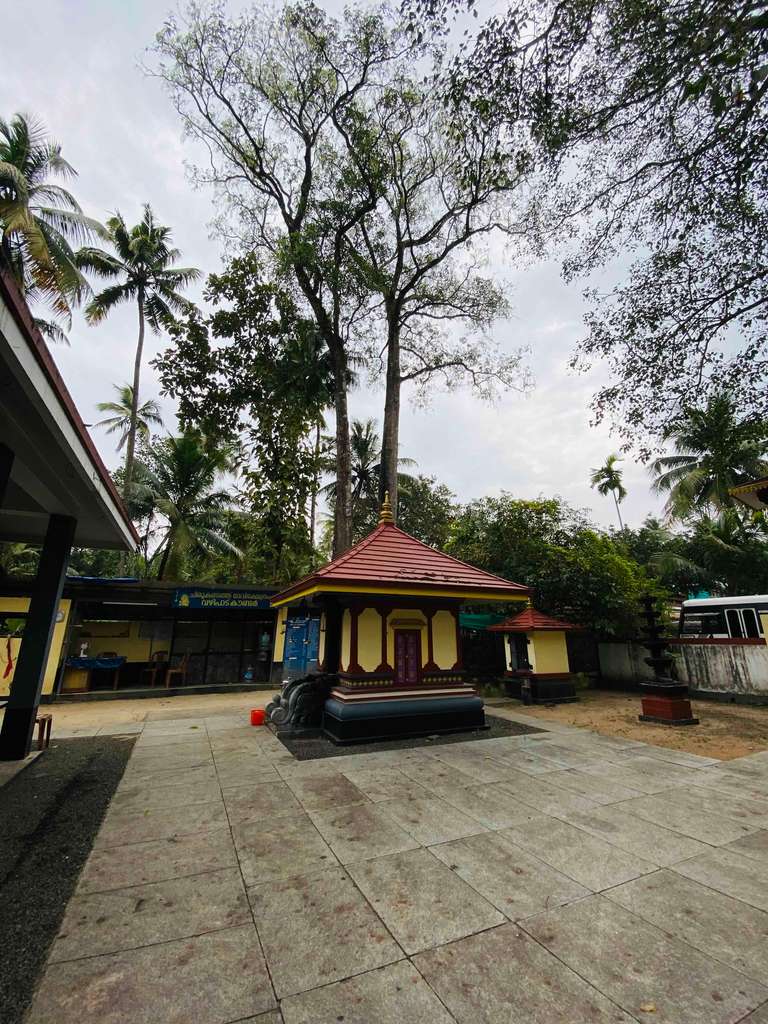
<point x="75" y="65"/>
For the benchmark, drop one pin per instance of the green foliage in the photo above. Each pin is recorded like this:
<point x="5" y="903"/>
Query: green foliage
<point x="119" y="420"/>
<point x="714" y="452"/>
<point x="575" y="571"/>
<point x="255" y="370"/>
<point x="39" y="220"/>
<point x="179" y="479"/>
<point x="650" y="120"/>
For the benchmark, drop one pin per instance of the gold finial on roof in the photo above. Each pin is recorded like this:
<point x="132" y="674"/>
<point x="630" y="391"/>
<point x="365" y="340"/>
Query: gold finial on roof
<point x="385" y="513"/>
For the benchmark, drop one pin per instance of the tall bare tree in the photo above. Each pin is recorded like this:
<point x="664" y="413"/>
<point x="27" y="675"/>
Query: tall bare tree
<point x="264" y="92"/>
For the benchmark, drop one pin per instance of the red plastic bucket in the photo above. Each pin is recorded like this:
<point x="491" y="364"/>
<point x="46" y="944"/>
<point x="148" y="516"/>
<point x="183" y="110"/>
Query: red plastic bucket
<point x="257" y="716"/>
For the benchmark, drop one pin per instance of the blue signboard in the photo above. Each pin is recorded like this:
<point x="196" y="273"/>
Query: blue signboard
<point x="209" y="597"/>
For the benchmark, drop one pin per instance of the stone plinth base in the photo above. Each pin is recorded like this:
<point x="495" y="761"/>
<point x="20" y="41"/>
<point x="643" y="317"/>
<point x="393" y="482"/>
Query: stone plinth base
<point x="667" y="710"/>
<point x="398" y="717"/>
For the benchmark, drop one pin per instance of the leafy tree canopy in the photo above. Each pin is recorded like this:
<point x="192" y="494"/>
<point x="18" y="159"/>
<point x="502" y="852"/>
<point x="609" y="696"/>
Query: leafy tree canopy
<point x="575" y="571"/>
<point x="651" y="118"/>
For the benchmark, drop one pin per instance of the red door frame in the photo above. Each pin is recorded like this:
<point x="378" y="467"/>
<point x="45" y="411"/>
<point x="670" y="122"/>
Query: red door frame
<point x="404" y="633"/>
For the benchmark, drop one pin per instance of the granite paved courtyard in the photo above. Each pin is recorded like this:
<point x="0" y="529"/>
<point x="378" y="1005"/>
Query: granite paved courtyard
<point x="553" y="877"/>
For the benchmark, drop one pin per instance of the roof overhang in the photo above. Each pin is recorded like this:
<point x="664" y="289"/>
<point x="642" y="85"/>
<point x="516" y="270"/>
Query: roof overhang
<point x="755" y="494"/>
<point x="396" y="590"/>
<point x="56" y="469"/>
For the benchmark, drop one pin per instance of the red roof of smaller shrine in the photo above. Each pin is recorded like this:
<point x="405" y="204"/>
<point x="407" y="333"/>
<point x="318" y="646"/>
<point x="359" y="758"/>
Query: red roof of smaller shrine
<point x="529" y="621"/>
<point x="389" y="556"/>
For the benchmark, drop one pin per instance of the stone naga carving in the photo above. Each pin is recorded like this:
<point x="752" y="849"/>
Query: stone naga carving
<point x="299" y="705"/>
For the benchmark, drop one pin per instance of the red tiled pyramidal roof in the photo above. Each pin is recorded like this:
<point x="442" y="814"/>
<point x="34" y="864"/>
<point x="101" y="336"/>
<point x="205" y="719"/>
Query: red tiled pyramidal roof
<point x="389" y="556"/>
<point x="529" y="620"/>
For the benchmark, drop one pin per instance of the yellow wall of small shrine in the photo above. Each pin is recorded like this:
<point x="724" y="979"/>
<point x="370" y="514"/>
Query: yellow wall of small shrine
<point x="444" y="639"/>
<point x="282" y="617"/>
<point x="369" y="640"/>
<point x="9" y="605"/>
<point x="550" y="653"/>
<point x="346" y="639"/>
<point x="406" y="618"/>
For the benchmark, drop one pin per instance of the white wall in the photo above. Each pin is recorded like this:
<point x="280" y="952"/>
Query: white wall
<point x="735" y="669"/>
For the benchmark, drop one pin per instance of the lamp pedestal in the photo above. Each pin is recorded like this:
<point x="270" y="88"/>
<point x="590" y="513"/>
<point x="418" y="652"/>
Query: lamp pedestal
<point x="664" y="700"/>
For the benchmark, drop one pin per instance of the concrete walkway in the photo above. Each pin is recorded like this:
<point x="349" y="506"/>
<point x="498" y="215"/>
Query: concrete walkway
<point x="556" y="878"/>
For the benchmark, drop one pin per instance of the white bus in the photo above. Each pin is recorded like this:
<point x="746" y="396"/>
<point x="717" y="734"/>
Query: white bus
<point x="723" y="617"/>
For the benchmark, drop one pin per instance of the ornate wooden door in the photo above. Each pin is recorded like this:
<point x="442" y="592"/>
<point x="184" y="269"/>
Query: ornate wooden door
<point x="407" y="656"/>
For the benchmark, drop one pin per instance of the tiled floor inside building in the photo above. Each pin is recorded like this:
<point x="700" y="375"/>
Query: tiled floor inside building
<point x="553" y="878"/>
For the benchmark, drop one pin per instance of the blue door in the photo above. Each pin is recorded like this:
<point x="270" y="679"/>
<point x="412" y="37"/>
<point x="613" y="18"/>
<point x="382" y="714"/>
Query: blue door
<point x="302" y="646"/>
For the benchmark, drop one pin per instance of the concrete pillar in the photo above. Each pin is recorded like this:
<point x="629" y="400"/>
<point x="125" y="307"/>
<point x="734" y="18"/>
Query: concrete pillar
<point x="24" y="699"/>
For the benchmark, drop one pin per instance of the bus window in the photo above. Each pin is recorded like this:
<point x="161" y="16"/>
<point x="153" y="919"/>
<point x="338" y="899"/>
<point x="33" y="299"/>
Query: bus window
<point x="751" y="627"/>
<point x="734" y="623"/>
<point x="703" y="623"/>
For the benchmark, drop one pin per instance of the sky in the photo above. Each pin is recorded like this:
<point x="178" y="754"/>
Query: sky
<point x="75" y="65"/>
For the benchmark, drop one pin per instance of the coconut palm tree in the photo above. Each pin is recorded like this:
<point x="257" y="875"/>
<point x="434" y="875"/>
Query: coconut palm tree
<point x="180" y="477"/>
<point x="40" y="219"/>
<point x="713" y="452"/>
<point x="365" y="445"/>
<point x="143" y="270"/>
<point x="119" y="420"/>
<point x="607" y="480"/>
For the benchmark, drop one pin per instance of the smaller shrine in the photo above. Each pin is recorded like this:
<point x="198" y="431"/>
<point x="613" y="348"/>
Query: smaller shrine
<point x="379" y="627"/>
<point x="536" y="654"/>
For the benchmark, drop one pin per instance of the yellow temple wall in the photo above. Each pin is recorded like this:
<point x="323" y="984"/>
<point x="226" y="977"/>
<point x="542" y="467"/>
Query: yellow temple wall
<point x="100" y="637"/>
<point x="406" y="618"/>
<point x="369" y="640"/>
<point x="282" y="616"/>
<point x="9" y="605"/>
<point x="550" y="653"/>
<point x="444" y="639"/>
<point x="346" y="639"/>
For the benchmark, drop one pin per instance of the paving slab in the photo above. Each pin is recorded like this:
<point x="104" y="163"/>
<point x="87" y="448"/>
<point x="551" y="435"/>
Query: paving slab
<point x="157" y="860"/>
<point x="731" y="873"/>
<point x="146" y="914"/>
<point x="140" y="778"/>
<point x="528" y="764"/>
<point x="174" y="727"/>
<point x="316" y="929"/>
<point x="732" y="783"/>
<point x="396" y="994"/>
<point x="492" y="807"/>
<point x="146" y="796"/>
<point x="644" y="774"/>
<point x="755" y="847"/>
<point x="430" y="821"/>
<point x="321" y="793"/>
<point x="543" y="795"/>
<point x="385" y="784"/>
<point x="261" y="802"/>
<point x="422" y="902"/>
<point x="503" y="977"/>
<point x="476" y="764"/>
<point x="760" y="1016"/>
<point x="156" y="759"/>
<point x="724" y="928"/>
<point x="210" y="979"/>
<point x="581" y="856"/>
<point x="511" y="879"/>
<point x="254" y="776"/>
<point x="287" y="846"/>
<point x="681" y="812"/>
<point x="194" y="743"/>
<point x="121" y="827"/>
<point x="440" y="779"/>
<point x="641" y="968"/>
<point x="636" y="835"/>
<point x="598" y="789"/>
<point x="361" y="831"/>
<point x="746" y="810"/>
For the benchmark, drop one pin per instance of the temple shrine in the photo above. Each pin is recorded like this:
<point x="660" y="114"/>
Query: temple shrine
<point x="383" y="621"/>
<point x="536" y="653"/>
